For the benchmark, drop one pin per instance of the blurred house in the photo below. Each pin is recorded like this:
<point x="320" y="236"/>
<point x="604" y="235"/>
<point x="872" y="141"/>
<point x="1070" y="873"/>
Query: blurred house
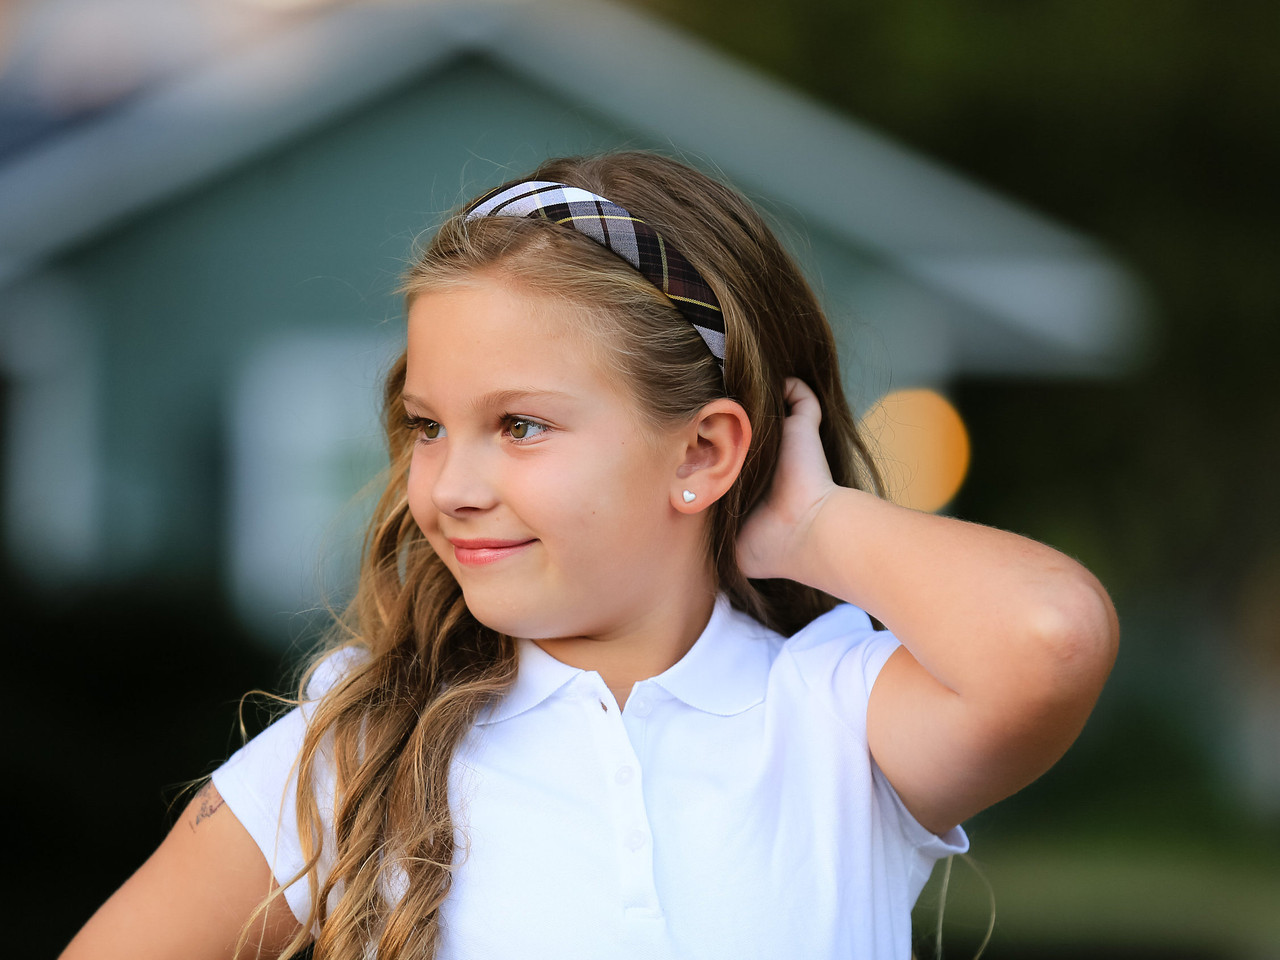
<point x="197" y="267"/>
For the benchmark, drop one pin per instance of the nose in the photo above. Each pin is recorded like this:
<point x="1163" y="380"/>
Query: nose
<point x="464" y="482"/>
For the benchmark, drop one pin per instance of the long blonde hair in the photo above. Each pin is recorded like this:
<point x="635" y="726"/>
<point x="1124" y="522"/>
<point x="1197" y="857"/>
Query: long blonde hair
<point x="389" y="729"/>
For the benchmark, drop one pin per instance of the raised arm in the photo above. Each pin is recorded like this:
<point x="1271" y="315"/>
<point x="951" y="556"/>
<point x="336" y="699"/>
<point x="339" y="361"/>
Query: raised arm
<point x="1007" y="643"/>
<point x="191" y="898"/>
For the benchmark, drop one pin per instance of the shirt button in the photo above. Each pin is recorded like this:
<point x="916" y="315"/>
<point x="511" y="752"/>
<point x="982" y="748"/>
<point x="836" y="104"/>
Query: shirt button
<point x="623" y="776"/>
<point x="635" y="840"/>
<point x="643" y="708"/>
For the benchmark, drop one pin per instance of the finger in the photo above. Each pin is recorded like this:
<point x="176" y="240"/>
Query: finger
<point x="801" y="400"/>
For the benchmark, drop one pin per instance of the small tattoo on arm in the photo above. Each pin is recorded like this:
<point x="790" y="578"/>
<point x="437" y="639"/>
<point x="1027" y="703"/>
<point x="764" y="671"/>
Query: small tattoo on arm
<point x="210" y="801"/>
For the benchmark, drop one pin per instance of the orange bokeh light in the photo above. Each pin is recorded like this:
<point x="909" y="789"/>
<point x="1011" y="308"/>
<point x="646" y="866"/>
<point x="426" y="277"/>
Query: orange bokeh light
<point x="921" y="446"/>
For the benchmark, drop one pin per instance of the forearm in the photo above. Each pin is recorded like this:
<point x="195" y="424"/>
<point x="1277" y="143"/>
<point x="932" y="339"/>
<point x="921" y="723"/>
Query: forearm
<point x="989" y="614"/>
<point x="1009" y="640"/>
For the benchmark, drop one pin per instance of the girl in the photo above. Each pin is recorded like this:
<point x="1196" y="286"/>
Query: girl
<point x="608" y="688"/>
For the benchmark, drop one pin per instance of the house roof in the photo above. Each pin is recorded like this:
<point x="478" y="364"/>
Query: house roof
<point x="1049" y="285"/>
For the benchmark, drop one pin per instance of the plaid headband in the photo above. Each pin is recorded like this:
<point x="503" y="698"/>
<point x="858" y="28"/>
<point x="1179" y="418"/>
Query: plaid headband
<point x="630" y="238"/>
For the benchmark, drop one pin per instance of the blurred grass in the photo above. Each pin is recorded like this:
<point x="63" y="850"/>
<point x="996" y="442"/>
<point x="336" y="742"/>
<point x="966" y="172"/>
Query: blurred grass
<point x="1105" y="896"/>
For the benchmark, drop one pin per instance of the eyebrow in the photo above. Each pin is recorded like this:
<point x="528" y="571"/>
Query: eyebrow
<point x="498" y="398"/>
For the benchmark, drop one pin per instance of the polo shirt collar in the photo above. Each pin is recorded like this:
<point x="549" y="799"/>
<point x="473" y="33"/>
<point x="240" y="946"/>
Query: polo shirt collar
<point x="724" y="673"/>
<point x="538" y="677"/>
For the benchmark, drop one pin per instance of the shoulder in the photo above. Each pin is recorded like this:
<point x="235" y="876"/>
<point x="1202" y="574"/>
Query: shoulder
<point x="259" y="782"/>
<point x="844" y="631"/>
<point x="839" y="626"/>
<point x="332" y="668"/>
<point x="837" y="658"/>
<point x="270" y="754"/>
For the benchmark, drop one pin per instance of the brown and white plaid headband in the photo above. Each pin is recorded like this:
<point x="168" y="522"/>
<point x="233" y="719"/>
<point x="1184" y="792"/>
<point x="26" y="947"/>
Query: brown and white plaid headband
<point x="629" y="237"/>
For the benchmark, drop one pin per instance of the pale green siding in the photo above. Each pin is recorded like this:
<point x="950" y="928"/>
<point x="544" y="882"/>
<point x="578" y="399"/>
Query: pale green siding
<point x="310" y="238"/>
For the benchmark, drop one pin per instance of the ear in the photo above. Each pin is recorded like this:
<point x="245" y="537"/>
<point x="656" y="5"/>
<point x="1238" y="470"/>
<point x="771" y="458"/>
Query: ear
<point x="715" y="446"/>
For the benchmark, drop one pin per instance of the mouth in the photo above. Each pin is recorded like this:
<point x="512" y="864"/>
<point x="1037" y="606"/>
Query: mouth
<point x="477" y="553"/>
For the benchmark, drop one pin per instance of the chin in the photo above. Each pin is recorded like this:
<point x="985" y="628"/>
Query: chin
<point x="526" y="621"/>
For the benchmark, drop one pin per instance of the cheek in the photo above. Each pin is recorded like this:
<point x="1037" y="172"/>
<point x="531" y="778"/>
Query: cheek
<point x="619" y="498"/>
<point x="421" y="480"/>
<point x="547" y="496"/>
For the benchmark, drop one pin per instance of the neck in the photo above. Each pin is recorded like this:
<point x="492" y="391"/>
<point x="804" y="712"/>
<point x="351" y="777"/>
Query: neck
<point x="643" y="646"/>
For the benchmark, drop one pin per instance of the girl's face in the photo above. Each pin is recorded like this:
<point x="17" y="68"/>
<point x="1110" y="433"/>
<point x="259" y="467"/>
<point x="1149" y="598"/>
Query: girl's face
<point x="532" y="475"/>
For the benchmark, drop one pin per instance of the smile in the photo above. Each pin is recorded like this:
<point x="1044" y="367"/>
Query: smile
<point x="477" y="553"/>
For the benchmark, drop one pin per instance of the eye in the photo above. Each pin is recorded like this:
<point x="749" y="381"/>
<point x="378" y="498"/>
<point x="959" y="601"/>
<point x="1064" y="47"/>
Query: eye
<point x="520" y="428"/>
<point x="427" y="430"/>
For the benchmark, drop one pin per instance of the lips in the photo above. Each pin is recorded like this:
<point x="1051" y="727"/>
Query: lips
<point x="478" y="552"/>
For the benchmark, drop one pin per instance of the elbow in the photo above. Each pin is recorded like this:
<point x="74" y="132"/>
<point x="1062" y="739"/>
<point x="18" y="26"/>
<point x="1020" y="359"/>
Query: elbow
<point x="1052" y="678"/>
<point x="1078" y="635"/>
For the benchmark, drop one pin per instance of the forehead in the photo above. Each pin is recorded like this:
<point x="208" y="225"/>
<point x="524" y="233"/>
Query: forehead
<point x="488" y="335"/>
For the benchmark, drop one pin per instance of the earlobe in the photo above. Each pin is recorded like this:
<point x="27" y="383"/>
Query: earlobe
<point x="715" y="447"/>
<point x="685" y="500"/>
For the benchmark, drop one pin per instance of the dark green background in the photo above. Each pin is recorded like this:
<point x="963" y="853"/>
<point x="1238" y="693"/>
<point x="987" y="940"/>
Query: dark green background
<point x="1155" y="128"/>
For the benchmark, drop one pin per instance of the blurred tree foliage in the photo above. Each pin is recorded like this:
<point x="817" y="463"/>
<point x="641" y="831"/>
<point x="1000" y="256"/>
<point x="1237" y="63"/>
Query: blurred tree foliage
<point x="1154" y="127"/>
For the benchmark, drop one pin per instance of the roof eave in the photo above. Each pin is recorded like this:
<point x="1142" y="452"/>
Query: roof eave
<point x="904" y="209"/>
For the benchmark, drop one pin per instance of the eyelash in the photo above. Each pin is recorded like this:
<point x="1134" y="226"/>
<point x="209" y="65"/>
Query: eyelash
<point x="510" y="420"/>
<point x="417" y="424"/>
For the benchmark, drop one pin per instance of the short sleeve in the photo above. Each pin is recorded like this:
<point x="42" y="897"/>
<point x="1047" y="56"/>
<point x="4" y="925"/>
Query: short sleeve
<point x="839" y="655"/>
<point x="259" y="785"/>
<point x="929" y="846"/>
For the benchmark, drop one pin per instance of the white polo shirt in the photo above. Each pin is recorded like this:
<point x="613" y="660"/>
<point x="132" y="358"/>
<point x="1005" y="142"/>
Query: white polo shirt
<point x="731" y="810"/>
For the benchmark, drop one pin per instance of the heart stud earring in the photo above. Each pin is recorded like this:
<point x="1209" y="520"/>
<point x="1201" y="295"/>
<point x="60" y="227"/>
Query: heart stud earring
<point x="689" y="496"/>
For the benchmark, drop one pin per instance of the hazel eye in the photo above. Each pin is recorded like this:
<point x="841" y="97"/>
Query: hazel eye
<point x="426" y="430"/>
<point x="521" y="429"/>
